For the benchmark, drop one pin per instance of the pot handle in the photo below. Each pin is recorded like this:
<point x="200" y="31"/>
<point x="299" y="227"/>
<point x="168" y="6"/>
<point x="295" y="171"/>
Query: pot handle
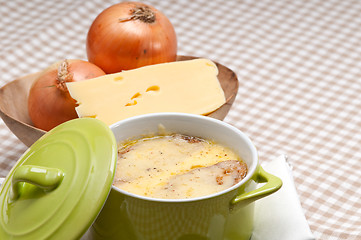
<point x="272" y="185"/>
<point x="46" y="178"/>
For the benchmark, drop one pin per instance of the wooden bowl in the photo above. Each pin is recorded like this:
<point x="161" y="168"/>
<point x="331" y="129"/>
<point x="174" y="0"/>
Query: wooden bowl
<point x="14" y="107"/>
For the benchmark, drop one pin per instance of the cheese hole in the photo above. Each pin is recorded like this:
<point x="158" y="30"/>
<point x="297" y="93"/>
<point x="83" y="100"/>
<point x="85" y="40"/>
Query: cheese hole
<point x="131" y="103"/>
<point x="118" y="78"/>
<point x="136" y="95"/>
<point x="197" y="166"/>
<point x="153" y="88"/>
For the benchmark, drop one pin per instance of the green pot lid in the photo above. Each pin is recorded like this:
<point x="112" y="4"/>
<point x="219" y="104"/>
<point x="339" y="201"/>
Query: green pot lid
<point x="60" y="184"/>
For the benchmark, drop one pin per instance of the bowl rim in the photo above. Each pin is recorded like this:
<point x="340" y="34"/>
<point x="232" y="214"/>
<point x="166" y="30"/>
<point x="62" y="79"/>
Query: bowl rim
<point x="251" y="171"/>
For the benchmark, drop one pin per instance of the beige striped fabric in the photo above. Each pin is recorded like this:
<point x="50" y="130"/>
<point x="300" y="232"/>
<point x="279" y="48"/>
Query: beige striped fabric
<point x="299" y="68"/>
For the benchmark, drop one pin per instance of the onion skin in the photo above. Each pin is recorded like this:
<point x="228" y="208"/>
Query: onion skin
<point x="49" y="102"/>
<point x="115" y="42"/>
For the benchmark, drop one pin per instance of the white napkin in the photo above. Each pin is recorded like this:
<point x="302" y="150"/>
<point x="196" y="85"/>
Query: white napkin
<point x="280" y="216"/>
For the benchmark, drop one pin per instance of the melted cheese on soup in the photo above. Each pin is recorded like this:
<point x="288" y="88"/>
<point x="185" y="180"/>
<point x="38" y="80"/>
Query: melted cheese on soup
<point x="176" y="167"/>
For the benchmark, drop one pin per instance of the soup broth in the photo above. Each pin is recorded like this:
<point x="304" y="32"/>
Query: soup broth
<point x="176" y="167"/>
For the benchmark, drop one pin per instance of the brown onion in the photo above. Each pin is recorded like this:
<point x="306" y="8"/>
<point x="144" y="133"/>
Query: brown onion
<point x="129" y="35"/>
<point x="49" y="102"/>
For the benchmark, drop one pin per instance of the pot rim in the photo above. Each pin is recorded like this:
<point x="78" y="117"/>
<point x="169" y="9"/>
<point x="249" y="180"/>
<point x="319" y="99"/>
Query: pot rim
<point x="251" y="171"/>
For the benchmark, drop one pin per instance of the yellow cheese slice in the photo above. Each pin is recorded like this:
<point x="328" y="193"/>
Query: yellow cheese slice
<point x="188" y="86"/>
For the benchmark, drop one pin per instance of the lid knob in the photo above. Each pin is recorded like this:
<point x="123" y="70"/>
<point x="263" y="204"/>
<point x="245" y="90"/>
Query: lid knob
<point x="44" y="177"/>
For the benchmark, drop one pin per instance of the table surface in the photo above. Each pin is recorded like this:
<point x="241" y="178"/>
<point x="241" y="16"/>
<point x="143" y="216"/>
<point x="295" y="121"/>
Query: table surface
<point x="299" y="68"/>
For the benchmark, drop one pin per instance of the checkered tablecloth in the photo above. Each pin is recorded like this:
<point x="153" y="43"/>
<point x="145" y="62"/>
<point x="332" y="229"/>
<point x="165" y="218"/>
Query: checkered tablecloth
<point x="299" y="67"/>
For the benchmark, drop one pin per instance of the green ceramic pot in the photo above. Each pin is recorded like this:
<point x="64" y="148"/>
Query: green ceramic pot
<point x="224" y="215"/>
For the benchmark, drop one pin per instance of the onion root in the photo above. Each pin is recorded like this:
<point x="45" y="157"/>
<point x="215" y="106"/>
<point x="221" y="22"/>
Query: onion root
<point x="143" y="13"/>
<point x="64" y="76"/>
